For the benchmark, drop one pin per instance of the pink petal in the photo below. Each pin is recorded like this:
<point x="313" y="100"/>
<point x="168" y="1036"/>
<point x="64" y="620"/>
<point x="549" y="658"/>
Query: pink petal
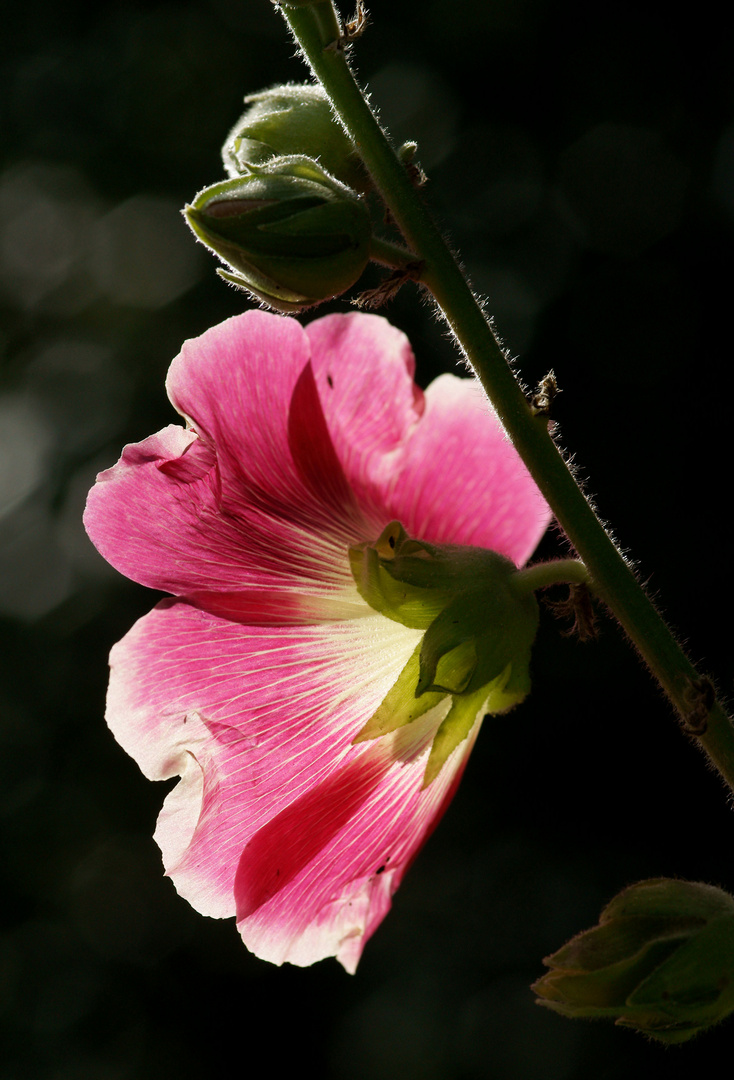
<point x="440" y="464"/>
<point x="459" y="479"/>
<point x="319" y="878"/>
<point x="364" y="370"/>
<point x="277" y="815"/>
<point x="236" y="385"/>
<point x="266" y="712"/>
<point x="250" y="511"/>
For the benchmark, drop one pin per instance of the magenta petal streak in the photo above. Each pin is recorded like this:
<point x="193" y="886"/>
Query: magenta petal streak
<point x="251" y="682"/>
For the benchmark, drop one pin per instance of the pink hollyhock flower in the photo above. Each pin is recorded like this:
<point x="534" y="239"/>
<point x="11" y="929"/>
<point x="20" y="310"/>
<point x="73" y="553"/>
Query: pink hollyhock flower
<point x="252" y="681"/>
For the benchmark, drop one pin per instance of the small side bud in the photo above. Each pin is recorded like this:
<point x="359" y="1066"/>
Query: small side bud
<point x="292" y="119"/>
<point x="289" y="233"/>
<point x="407" y="152"/>
<point x="660" y="961"/>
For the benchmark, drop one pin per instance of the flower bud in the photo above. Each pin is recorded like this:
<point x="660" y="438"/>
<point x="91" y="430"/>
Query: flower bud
<point x="292" y="119"/>
<point x="291" y="235"/>
<point x="661" y="961"/>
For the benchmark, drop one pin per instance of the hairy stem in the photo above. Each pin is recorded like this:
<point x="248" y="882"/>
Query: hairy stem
<point x="609" y="575"/>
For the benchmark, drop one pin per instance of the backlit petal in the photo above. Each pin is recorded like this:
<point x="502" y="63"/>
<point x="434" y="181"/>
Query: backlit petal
<point x="364" y="370"/>
<point x="439" y="463"/>
<point x="318" y="879"/>
<point x="242" y="507"/>
<point x="461" y="481"/>
<point x="252" y="718"/>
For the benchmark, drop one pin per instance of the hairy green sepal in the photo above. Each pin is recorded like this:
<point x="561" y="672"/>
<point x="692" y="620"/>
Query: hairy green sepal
<point x="479" y="630"/>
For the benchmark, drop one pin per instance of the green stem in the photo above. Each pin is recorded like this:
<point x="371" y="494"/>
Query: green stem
<point x="389" y="254"/>
<point x="556" y="572"/>
<point x="610" y="576"/>
<point x="322" y="17"/>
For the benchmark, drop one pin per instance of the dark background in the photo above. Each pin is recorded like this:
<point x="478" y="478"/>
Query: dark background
<point x="582" y="158"/>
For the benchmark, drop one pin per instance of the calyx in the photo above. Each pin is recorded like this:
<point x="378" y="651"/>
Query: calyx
<point x="479" y="630"/>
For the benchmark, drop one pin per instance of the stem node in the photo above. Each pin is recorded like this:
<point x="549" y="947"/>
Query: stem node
<point x="701" y="697"/>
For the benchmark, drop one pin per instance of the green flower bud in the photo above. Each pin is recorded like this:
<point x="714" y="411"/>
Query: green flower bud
<point x="292" y="119"/>
<point x="661" y="961"/>
<point x="479" y="630"/>
<point x="291" y="235"/>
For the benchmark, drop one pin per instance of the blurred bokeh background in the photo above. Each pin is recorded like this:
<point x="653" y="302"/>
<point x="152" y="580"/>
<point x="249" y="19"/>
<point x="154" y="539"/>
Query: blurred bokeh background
<point x="582" y="159"/>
